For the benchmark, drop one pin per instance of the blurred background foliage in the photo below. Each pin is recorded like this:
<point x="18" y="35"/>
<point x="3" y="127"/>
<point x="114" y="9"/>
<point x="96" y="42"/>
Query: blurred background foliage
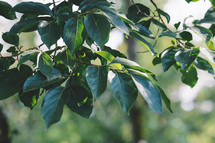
<point x="109" y="124"/>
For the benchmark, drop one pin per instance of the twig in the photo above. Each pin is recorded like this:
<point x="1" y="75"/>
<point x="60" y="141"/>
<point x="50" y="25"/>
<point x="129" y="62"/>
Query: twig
<point x="139" y="11"/>
<point x="159" y="15"/>
<point x="54" y="7"/>
<point x="142" y="52"/>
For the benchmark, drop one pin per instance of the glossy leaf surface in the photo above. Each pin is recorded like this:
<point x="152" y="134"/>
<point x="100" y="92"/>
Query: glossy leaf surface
<point x="124" y="89"/>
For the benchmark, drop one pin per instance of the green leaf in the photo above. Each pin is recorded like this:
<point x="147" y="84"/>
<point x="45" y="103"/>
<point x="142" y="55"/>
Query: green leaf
<point x="212" y="2"/>
<point x="5" y="63"/>
<point x="67" y="59"/>
<point x="189" y="77"/>
<point x="7" y="10"/>
<point x="186" y="57"/>
<point x="50" y="33"/>
<point x="185" y="35"/>
<point x="88" y="5"/>
<point x="33" y="8"/>
<point x="11" y="81"/>
<point x="45" y="64"/>
<point x="53" y="103"/>
<point x="124" y="89"/>
<point x="156" y="60"/>
<point x="148" y="90"/>
<point x="113" y="52"/>
<point x="210" y="12"/>
<point x="38" y="80"/>
<point x="72" y="34"/>
<point x="28" y="55"/>
<point x="166" y="15"/>
<point x="98" y="28"/>
<point x="168" y="58"/>
<point x="169" y="34"/>
<point x="11" y="38"/>
<point x="133" y="65"/>
<point x="210" y="55"/>
<point x="29" y="99"/>
<point x="80" y="98"/>
<point x="143" y="42"/>
<point x="12" y="49"/>
<point x="203" y="64"/>
<point x="97" y="80"/>
<point x="205" y="32"/>
<point x="176" y="25"/>
<point x="191" y="1"/>
<point x="28" y="25"/>
<point x="212" y="29"/>
<point x="1" y="47"/>
<point x="143" y="31"/>
<point x="63" y="12"/>
<point x="115" y="19"/>
<point x="165" y="99"/>
<point x="109" y="57"/>
<point x="137" y="12"/>
<point x="159" y="24"/>
<point x="210" y="20"/>
<point x="210" y="45"/>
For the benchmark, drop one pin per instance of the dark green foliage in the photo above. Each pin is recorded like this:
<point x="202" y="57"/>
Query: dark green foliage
<point x="189" y="77"/>
<point x="38" y="80"/>
<point x="76" y="74"/>
<point x="168" y="58"/>
<point x="124" y="89"/>
<point x="53" y="104"/>
<point x="5" y="63"/>
<point x="50" y="33"/>
<point x="135" y="14"/>
<point x="7" y="10"/>
<point x="80" y="98"/>
<point x="25" y="26"/>
<point x="11" y="38"/>
<point x="186" y="57"/>
<point x="97" y="79"/>
<point x="14" y="81"/>
<point x="33" y="8"/>
<point x="185" y="35"/>
<point x="30" y="98"/>
<point x="98" y="28"/>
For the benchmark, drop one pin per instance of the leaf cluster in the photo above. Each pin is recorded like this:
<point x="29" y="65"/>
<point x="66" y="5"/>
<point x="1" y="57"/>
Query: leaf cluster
<point x="69" y="76"/>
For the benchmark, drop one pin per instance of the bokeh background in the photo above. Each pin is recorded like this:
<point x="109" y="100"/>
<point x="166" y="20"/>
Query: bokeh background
<point x="192" y="120"/>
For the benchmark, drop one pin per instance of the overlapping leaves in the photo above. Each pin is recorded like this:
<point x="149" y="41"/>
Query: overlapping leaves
<point x="77" y="74"/>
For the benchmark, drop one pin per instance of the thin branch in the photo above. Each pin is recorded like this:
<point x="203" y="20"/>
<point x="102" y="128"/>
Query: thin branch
<point x="142" y="52"/>
<point x="54" y="8"/>
<point x="159" y="15"/>
<point x="139" y="11"/>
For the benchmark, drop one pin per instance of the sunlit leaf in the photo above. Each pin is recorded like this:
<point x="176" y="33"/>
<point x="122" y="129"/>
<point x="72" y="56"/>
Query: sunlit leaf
<point x="72" y="33"/>
<point x="45" y="64"/>
<point x="148" y="90"/>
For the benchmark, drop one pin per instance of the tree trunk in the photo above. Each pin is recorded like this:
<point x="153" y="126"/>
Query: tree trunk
<point x="4" y="129"/>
